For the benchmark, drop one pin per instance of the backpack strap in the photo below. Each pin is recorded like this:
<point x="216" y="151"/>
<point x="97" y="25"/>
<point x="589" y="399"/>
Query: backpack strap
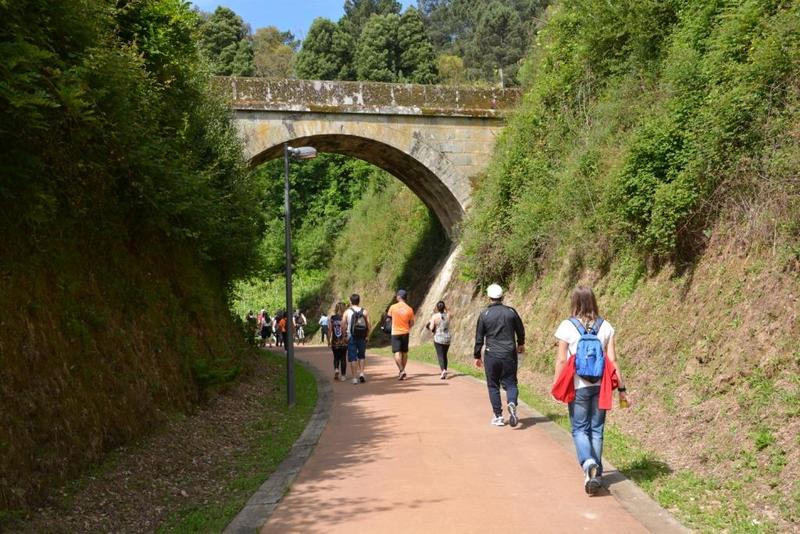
<point x="577" y="324"/>
<point x="598" y="322"/>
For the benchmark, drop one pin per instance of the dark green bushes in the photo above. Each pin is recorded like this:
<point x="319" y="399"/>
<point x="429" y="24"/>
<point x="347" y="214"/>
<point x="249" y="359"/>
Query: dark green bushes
<point x="641" y="121"/>
<point x="107" y="120"/>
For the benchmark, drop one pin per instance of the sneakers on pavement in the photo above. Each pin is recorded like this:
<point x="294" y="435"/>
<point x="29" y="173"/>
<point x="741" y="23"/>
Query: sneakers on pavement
<point x="361" y="378"/>
<point x="355" y="380"/>
<point x="498" y="421"/>
<point x="336" y="374"/>
<point x="512" y="414"/>
<point x="590" y="482"/>
<point x="343" y="377"/>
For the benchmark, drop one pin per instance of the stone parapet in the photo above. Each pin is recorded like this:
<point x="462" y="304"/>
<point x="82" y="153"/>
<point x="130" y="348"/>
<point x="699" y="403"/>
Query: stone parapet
<point x="373" y="98"/>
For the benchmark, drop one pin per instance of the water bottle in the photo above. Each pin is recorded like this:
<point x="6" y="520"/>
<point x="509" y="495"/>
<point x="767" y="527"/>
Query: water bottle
<point x="623" y="403"/>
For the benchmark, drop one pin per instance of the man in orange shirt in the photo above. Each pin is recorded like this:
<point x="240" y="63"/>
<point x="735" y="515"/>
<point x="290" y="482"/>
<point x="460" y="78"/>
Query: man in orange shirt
<point x="402" y="320"/>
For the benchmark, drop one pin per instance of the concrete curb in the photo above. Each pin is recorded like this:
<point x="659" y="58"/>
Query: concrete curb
<point x="635" y="501"/>
<point x="261" y="505"/>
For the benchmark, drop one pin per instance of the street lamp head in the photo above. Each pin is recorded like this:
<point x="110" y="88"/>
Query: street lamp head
<point x="302" y="152"/>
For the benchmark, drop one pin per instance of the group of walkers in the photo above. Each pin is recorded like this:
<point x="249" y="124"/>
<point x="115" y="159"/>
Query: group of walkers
<point x="272" y="330"/>
<point x="347" y="329"/>
<point x="585" y="373"/>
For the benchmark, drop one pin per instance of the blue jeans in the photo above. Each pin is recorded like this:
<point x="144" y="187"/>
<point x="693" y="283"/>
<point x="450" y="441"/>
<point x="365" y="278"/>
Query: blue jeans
<point x="356" y="349"/>
<point x="587" y="426"/>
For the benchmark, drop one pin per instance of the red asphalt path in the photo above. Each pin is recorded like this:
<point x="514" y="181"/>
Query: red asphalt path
<point x="421" y="456"/>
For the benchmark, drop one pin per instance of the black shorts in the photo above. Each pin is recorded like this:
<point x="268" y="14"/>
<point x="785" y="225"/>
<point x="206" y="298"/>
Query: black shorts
<point x="400" y="343"/>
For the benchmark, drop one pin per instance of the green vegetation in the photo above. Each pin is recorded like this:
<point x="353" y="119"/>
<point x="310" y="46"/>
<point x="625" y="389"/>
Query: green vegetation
<point x="126" y="211"/>
<point x="272" y="439"/>
<point x="647" y="118"/>
<point x="481" y="41"/>
<point x="352" y="253"/>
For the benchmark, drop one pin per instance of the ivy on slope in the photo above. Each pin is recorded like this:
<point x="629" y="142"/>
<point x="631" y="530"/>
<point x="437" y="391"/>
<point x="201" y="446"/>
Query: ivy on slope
<point x="641" y="120"/>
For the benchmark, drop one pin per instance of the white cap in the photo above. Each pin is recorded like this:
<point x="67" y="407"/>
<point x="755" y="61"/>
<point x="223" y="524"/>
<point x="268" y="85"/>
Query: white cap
<point x="494" y="291"/>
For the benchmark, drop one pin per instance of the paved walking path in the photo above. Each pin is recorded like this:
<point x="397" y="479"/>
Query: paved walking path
<point x="420" y="456"/>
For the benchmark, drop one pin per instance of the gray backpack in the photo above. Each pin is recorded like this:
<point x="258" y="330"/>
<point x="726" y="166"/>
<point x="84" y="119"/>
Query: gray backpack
<point x="442" y="334"/>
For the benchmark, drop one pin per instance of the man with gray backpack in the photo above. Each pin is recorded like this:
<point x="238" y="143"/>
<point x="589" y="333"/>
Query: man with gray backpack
<point x="356" y="324"/>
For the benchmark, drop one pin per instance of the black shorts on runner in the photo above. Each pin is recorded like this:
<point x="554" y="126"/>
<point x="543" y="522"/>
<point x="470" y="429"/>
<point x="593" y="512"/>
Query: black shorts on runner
<point x="400" y="343"/>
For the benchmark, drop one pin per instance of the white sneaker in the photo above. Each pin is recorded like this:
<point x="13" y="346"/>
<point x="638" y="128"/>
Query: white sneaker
<point x="591" y="484"/>
<point x="512" y="414"/>
<point x="498" y="421"/>
<point x="355" y="381"/>
<point x="444" y="375"/>
<point x="343" y="378"/>
<point x="336" y="374"/>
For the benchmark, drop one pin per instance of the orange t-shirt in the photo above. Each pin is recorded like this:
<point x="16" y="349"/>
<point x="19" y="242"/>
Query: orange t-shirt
<point x="282" y="325"/>
<point x="402" y="317"/>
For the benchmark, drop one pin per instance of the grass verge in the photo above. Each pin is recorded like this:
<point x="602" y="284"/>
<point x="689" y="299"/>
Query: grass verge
<point x="701" y="503"/>
<point x="272" y="437"/>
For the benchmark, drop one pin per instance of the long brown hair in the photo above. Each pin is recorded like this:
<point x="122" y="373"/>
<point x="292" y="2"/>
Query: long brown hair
<point x="339" y="309"/>
<point x="584" y="304"/>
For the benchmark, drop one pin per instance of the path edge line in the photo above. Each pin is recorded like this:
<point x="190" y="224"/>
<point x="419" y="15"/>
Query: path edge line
<point x="262" y="504"/>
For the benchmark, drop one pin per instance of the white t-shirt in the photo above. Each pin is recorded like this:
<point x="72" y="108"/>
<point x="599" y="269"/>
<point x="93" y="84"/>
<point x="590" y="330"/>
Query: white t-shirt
<point x="567" y="332"/>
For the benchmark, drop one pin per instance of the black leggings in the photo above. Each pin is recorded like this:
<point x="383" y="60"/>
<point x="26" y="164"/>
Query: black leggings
<point x="340" y="359"/>
<point x="441" y="353"/>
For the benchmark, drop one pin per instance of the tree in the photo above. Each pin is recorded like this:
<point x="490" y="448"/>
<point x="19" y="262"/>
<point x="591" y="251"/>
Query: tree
<point x="378" y="54"/>
<point x="417" y="62"/>
<point x="273" y="52"/>
<point x="464" y="28"/>
<point x="326" y="53"/>
<point x="220" y="36"/>
<point x="451" y="69"/>
<point x="358" y="12"/>
<point x="500" y="42"/>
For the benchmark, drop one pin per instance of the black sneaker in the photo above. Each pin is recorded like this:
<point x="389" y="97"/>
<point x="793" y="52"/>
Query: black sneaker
<point x="361" y="379"/>
<point x="512" y="414"/>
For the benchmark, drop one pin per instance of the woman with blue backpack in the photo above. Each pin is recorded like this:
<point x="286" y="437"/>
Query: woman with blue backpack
<point x="585" y="376"/>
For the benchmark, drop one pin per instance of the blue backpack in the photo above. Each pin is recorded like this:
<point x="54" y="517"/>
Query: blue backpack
<point x="589" y="357"/>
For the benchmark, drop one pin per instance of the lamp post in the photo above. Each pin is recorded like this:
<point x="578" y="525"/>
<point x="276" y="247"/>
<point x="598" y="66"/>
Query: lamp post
<point x="303" y="152"/>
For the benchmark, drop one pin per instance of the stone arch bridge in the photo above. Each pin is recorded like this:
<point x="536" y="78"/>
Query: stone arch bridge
<point x="435" y="139"/>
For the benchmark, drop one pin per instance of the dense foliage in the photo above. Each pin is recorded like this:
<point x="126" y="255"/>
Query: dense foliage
<point x="641" y="120"/>
<point x="490" y="37"/>
<point x="125" y="211"/>
<point x="108" y="120"/>
<point x="374" y="42"/>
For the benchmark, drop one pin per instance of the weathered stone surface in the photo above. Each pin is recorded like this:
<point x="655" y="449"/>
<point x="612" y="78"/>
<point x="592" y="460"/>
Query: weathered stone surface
<point x="434" y="139"/>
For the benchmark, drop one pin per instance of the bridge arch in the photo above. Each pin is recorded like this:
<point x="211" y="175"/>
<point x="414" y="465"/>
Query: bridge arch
<point x="435" y="139"/>
<point x="424" y="171"/>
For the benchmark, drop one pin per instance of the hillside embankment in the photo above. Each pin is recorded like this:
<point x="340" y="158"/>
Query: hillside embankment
<point x="101" y="342"/>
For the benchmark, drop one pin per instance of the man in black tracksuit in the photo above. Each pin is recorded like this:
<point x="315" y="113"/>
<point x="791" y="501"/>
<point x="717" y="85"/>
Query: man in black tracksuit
<point x="501" y="328"/>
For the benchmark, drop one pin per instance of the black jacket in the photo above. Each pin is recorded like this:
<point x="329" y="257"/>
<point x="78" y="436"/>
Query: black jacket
<point x="498" y="324"/>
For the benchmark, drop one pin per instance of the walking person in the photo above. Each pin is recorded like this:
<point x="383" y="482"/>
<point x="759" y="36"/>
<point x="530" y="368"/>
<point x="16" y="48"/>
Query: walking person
<point x="356" y="324"/>
<point x="337" y="341"/>
<point x="440" y="326"/>
<point x="323" y="327"/>
<point x="402" y="320"/>
<point x="501" y="329"/>
<point x="585" y="375"/>
<point x="265" y="326"/>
